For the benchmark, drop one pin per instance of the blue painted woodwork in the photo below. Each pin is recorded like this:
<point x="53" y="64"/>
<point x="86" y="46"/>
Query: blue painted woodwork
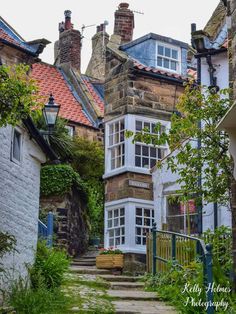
<point x="46" y="231"/>
<point x="203" y="251"/>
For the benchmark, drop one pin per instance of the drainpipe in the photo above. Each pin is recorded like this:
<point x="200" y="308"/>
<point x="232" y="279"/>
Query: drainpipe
<point x="199" y="145"/>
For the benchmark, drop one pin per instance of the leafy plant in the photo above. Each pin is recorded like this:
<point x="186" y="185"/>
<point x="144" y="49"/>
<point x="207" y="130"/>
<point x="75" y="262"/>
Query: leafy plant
<point x="7" y="244"/>
<point x="17" y="94"/>
<point x="49" y="268"/>
<point x="110" y="251"/>
<point x="59" y="179"/>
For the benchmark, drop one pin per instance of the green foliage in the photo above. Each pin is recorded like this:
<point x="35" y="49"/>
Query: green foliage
<point x="88" y="160"/>
<point x="40" y="301"/>
<point x="110" y="251"/>
<point x="197" y="104"/>
<point x="180" y="286"/>
<point x="7" y="244"/>
<point x="17" y="94"/>
<point x="59" y="140"/>
<point x="49" y="268"/>
<point x="59" y="179"/>
<point x="221" y="240"/>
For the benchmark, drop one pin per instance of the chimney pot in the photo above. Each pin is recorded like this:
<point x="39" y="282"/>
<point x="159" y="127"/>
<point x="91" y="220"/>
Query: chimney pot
<point x="67" y="14"/>
<point x="68" y="24"/>
<point x="123" y="5"/>
<point x="98" y="28"/>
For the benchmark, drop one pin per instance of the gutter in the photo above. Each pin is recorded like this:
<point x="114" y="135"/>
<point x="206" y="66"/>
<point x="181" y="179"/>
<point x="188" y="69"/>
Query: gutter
<point x="34" y="132"/>
<point x="159" y="76"/>
<point x="210" y="52"/>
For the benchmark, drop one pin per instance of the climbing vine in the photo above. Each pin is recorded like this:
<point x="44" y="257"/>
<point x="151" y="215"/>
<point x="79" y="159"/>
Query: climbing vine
<point x="59" y="179"/>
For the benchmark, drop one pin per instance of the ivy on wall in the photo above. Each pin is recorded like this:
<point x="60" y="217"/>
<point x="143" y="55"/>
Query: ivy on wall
<point x="59" y="179"/>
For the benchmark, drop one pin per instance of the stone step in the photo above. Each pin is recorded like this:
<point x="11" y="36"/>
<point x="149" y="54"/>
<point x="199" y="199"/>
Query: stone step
<point x="83" y="263"/>
<point x="91" y="270"/>
<point x="126" y="285"/>
<point x="142" y="307"/>
<point x="118" y="278"/>
<point x="82" y="259"/>
<point x="132" y="295"/>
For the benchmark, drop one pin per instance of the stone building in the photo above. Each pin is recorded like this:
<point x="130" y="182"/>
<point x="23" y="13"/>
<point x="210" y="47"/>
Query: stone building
<point x="80" y="96"/>
<point x="144" y="78"/>
<point x="22" y="151"/>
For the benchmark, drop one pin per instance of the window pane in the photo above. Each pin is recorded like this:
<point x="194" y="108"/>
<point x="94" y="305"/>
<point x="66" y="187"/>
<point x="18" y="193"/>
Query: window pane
<point x="153" y="152"/>
<point x="138" y="231"/>
<point x="111" y="233"/>
<point x="123" y="231"/>
<point x="16" y="145"/>
<point x="138" y="161"/>
<point x="138" y="211"/>
<point x="147" y="126"/>
<point x="147" y="222"/>
<point x="116" y="222"/>
<point x="117" y="232"/>
<point x="122" y="212"/>
<point x="116" y="213"/>
<point x="174" y="54"/>
<point x="111" y="242"/>
<point x="145" y="163"/>
<point x="138" y="149"/>
<point x="110" y="128"/>
<point x="166" y="63"/>
<point x="163" y="129"/>
<point x="116" y="138"/>
<point x="173" y="65"/>
<point x="147" y="213"/>
<point x="145" y="150"/>
<point x="110" y="214"/>
<point x="160" y="50"/>
<point x="122" y="221"/>
<point x="159" y="61"/>
<point x="144" y="241"/>
<point x="122" y="125"/>
<point x="123" y="240"/>
<point x="139" y="125"/>
<point x="138" y="221"/>
<point x="138" y="240"/>
<point x="117" y="241"/>
<point x="113" y="164"/>
<point x="152" y="163"/>
<point x="117" y="127"/>
<point x="167" y="52"/>
<point x="109" y="223"/>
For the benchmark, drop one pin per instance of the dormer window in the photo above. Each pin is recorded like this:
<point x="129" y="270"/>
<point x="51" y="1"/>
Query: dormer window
<point x="167" y="57"/>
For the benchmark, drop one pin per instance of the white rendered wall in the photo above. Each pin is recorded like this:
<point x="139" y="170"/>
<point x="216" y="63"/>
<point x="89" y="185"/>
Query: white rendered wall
<point x="19" y="199"/>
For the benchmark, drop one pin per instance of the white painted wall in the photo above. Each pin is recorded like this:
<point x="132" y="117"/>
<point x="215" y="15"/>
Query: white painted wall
<point x="19" y="199"/>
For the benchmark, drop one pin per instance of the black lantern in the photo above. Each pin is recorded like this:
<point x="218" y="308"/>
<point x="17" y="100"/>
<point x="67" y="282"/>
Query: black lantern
<point x="50" y="113"/>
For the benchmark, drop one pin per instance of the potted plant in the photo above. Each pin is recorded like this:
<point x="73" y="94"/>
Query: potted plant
<point x="110" y="258"/>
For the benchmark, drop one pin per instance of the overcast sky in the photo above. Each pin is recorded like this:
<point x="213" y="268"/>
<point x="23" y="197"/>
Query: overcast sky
<point x="39" y="19"/>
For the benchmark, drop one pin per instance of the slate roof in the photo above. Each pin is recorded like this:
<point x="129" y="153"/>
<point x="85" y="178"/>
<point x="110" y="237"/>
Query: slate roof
<point x="96" y="91"/>
<point x="50" y="79"/>
<point x="9" y="36"/>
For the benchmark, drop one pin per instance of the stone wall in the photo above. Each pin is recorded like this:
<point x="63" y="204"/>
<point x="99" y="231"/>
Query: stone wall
<point x="128" y="91"/>
<point x="119" y="187"/>
<point x="19" y="198"/>
<point x="71" y="222"/>
<point x="89" y="133"/>
<point x="11" y="56"/>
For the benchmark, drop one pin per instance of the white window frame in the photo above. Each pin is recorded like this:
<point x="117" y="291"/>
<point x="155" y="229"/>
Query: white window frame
<point x="111" y="226"/>
<point x="13" y="159"/>
<point x="178" y="60"/>
<point x="129" y="164"/>
<point x="143" y="226"/>
<point x="70" y="129"/>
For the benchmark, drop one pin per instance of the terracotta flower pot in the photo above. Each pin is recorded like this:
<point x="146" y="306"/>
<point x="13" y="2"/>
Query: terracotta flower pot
<point x="109" y="261"/>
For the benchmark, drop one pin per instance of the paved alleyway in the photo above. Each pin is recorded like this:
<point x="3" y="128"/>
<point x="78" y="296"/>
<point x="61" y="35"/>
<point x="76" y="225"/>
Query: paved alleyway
<point x="121" y="294"/>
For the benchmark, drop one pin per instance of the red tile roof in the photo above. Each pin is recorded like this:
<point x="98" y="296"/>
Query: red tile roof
<point x="143" y="67"/>
<point x="192" y="73"/>
<point x="96" y="97"/>
<point x="225" y="43"/>
<point x="5" y="36"/>
<point x="50" y="80"/>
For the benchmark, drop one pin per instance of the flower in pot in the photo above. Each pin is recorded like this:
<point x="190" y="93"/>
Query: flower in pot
<point x="110" y="258"/>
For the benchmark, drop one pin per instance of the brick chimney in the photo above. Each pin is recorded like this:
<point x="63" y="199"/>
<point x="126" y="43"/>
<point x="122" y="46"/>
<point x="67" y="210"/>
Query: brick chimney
<point x="124" y="22"/>
<point x="96" y="66"/>
<point x="68" y="48"/>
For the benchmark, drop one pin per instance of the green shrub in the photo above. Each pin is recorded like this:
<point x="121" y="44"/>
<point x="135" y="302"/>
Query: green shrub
<point x="49" y="268"/>
<point x="26" y="300"/>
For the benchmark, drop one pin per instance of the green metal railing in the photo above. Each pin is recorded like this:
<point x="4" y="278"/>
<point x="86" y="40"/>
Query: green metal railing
<point x="174" y="244"/>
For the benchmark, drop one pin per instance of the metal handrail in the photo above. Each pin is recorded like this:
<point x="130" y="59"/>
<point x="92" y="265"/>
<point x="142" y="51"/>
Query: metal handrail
<point x="206" y="259"/>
